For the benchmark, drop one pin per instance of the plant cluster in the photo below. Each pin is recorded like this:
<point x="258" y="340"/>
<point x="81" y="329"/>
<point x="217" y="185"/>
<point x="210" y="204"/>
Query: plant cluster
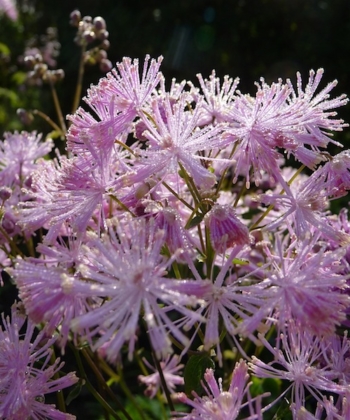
<point x="176" y="234"/>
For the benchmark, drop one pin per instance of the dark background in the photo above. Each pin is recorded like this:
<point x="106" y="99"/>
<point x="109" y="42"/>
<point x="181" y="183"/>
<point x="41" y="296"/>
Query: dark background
<point x="245" y="38"/>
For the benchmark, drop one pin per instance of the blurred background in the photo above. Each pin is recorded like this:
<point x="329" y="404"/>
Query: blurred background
<point x="248" y="39"/>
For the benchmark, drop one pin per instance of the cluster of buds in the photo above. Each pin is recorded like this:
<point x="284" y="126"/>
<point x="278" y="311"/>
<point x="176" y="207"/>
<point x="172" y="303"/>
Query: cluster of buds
<point x="40" y="59"/>
<point x="92" y="30"/>
<point x="39" y="71"/>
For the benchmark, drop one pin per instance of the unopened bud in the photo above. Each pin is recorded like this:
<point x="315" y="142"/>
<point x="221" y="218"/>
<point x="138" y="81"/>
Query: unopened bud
<point x="5" y="193"/>
<point x="102" y="35"/>
<point x="75" y="18"/>
<point x="29" y="61"/>
<point x="89" y="36"/>
<point x="99" y="23"/>
<point x="87" y="19"/>
<point x="100" y="55"/>
<point x="226" y="230"/>
<point x="59" y="74"/>
<point x="25" y="116"/>
<point x="40" y="69"/>
<point x="105" y="65"/>
<point x="105" y="44"/>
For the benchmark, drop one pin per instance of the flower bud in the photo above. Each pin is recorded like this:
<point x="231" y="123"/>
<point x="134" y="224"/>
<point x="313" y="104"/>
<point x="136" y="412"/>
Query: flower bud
<point x="87" y="19"/>
<point x="89" y="36"/>
<point x="226" y="230"/>
<point x="105" y="65"/>
<point x="99" y="23"/>
<point x="25" y="116"/>
<point x="75" y="18"/>
<point x="105" y="44"/>
<point x="102" y="35"/>
<point x="5" y="193"/>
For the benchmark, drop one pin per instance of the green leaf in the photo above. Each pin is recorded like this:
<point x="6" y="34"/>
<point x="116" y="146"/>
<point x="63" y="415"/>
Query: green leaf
<point x="4" y="49"/>
<point x="238" y="261"/>
<point x="194" y="222"/>
<point x="10" y="95"/>
<point x="194" y="372"/>
<point x="75" y="391"/>
<point x="19" y="77"/>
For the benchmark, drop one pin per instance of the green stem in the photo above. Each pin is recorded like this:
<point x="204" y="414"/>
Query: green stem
<point x="271" y="206"/>
<point x="77" y="95"/>
<point x="218" y="187"/>
<point x="93" y="391"/>
<point x="14" y="248"/>
<point x="49" y="121"/>
<point x="128" y="393"/>
<point x="103" y="384"/>
<point x="209" y="252"/>
<point x="177" y="196"/>
<point x="162" y="380"/>
<point x="60" y="398"/>
<point x="58" y="108"/>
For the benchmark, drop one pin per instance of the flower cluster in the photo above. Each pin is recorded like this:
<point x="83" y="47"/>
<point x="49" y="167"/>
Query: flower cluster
<point x="175" y="226"/>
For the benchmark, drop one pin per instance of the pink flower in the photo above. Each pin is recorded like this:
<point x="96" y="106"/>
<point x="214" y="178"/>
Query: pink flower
<point x="226" y="230"/>
<point x="171" y="372"/>
<point x="229" y="303"/>
<point x="217" y="99"/>
<point x="334" y="175"/>
<point x="18" y="155"/>
<point x="174" y="138"/>
<point x="9" y="8"/>
<point x="305" y="286"/>
<point x="304" y="208"/>
<point x="127" y="269"/>
<point x="26" y="374"/>
<point x="116" y="100"/>
<point x="297" y="360"/>
<point x="176" y="236"/>
<point x="219" y="404"/>
<point x="44" y="286"/>
<point x="65" y="191"/>
<point x="279" y="117"/>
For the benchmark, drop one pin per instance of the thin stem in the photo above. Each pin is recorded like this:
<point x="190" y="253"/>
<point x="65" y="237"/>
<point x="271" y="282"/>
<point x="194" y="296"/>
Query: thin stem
<point x="218" y="187"/>
<point x="93" y="391"/>
<point x="122" y="205"/>
<point x="271" y="206"/>
<point x="78" y="89"/>
<point x="177" y="196"/>
<point x="102" y="381"/>
<point x="129" y="394"/>
<point x="14" y="248"/>
<point x="162" y="380"/>
<point x="60" y="399"/>
<point x="191" y="185"/>
<point x="49" y="121"/>
<point x="241" y="192"/>
<point x="209" y="251"/>
<point x="58" y="108"/>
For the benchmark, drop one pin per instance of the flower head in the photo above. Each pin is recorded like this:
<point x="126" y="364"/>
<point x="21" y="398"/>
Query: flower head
<point x="23" y="384"/>
<point x="171" y="372"/>
<point x="127" y="269"/>
<point x="226" y="230"/>
<point x="219" y="404"/>
<point x="297" y="360"/>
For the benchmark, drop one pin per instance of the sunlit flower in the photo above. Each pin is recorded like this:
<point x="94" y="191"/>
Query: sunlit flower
<point x="226" y="230"/>
<point x="127" y="269"/>
<point x="26" y="374"/>
<point x="171" y="372"/>
<point x="296" y="360"/>
<point x="218" y="404"/>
